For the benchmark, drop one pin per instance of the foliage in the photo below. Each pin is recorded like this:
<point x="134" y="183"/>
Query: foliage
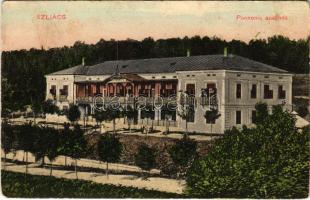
<point x="7" y="137"/>
<point x="145" y="157"/>
<point x="65" y="141"/>
<point x="52" y="146"/>
<point x="109" y="149"/>
<point x="114" y="113"/>
<point x="73" y="113"/>
<point x="23" y="70"/>
<point x="183" y="153"/>
<point x="268" y="161"/>
<point x="14" y="185"/>
<point x="130" y="113"/>
<point x="49" y="107"/>
<point x="261" y="113"/>
<point x="211" y="116"/>
<point x="100" y="115"/>
<point x="77" y="146"/>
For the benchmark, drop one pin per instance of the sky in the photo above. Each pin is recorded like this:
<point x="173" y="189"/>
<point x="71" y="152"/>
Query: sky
<point x="25" y="26"/>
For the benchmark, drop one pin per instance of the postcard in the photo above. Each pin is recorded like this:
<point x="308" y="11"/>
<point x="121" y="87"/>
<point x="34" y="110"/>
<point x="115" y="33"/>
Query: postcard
<point x="155" y="99"/>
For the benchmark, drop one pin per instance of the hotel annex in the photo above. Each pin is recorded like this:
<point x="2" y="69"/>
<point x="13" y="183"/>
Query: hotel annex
<point x="229" y="83"/>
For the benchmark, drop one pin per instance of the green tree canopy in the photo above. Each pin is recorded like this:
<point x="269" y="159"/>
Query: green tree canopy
<point x="73" y="113"/>
<point x="109" y="149"/>
<point x="268" y="161"/>
<point x="183" y="152"/>
<point x="145" y="157"/>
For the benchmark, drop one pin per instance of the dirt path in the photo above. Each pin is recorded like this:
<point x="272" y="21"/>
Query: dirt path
<point x="155" y="183"/>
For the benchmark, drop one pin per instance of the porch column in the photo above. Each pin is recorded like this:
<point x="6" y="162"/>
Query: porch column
<point x="157" y="114"/>
<point x="139" y="115"/>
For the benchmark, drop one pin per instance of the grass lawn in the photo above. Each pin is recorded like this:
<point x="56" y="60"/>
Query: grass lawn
<point x="16" y="185"/>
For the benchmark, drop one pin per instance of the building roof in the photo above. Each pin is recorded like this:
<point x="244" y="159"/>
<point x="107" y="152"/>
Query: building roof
<point x="173" y="64"/>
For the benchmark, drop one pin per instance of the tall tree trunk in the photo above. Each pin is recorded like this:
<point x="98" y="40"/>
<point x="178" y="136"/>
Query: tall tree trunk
<point x="114" y="125"/>
<point x="4" y="161"/>
<point x="42" y="163"/>
<point x="26" y="163"/>
<point x="76" y="169"/>
<point x="107" y="170"/>
<point x="51" y="169"/>
<point x="186" y="127"/>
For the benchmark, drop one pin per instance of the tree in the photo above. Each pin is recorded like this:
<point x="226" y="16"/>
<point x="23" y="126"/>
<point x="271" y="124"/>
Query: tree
<point x="7" y="139"/>
<point x="183" y="153"/>
<point x="73" y="113"/>
<point x="100" y="116"/>
<point x="41" y="141"/>
<point x="261" y="113"/>
<point x="77" y="145"/>
<point x="25" y="138"/>
<point x="211" y="116"/>
<point x="109" y="149"/>
<point x="114" y="113"/>
<point x="268" y="161"/>
<point x="49" y="107"/>
<point x="130" y="114"/>
<point x="64" y="147"/>
<point x="145" y="157"/>
<point x="52" y="146"/>
<point x="186" y="108"/>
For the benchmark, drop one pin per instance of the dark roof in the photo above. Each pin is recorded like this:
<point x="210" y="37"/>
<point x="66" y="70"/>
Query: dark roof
<point x="166" y="65"/>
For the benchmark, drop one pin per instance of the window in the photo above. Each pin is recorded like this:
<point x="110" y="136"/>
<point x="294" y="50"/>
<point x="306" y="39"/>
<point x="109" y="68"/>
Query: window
<point x="238" y="117"/>
<point x="268" y="94"/>
<point x="64" y="90"/>
<point x="190" y="89"/>
<point x="253" y="116"/>
<point x="281" y="92"/>
<point x="253" y="91"/>
<point x="238" y="91"/>
<point x="53" y="90"/>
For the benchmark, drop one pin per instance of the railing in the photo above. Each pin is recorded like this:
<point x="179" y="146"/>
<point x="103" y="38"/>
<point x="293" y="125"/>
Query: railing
<point x="63" y="98"/>
<point x="170" y="123"/>
<point x="126" y="100"/>
<point x="203" y="101"/>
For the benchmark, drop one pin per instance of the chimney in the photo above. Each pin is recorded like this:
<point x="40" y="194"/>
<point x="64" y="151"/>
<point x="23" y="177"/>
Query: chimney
<point x="188" y="53"/>
<point x="225" y="52"/>
<point x="83" y="61"/>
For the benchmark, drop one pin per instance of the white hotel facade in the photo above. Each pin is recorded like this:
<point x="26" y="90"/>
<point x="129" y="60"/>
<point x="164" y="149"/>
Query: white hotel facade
<point x="231" y="83"/>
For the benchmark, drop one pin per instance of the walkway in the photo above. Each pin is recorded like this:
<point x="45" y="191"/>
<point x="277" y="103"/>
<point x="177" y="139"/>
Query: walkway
<point x="124" y="179"/>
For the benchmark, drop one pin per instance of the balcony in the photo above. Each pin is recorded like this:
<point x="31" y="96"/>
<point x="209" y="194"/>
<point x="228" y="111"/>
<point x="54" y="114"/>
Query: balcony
<point x="126" y="100"/>
<point x="63" y="98"/>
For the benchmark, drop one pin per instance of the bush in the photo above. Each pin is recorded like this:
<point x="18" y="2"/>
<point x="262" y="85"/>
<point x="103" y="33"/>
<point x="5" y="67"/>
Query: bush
<point x="269" y="161"/>
<point x="15" y="185"/>
<point x="145" y="158"/>
<point x="183" y="153"/>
